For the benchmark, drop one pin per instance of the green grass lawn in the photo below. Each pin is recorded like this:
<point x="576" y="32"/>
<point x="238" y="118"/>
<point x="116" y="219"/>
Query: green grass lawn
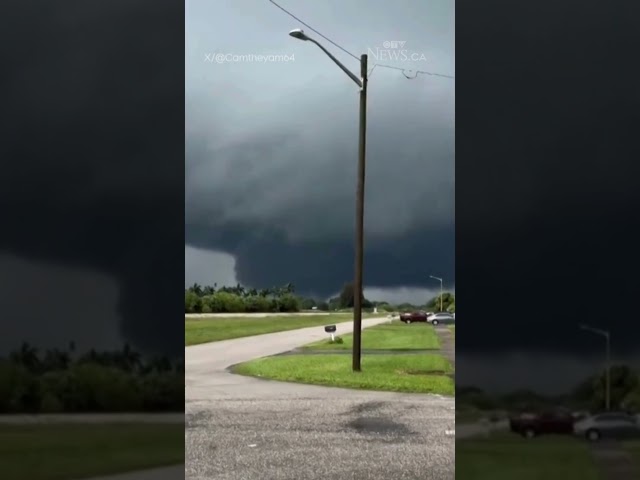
<point x="509" y="457"/>
<point x="397" y="373"/>
<point x="62" y="452"/>
<point x="453" y="330"/>
<point x="393" y="336"/>
<point x="203" y="330"/>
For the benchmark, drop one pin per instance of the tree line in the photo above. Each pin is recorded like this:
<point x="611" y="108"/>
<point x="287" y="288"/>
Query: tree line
<point x="240" y="299"/>
<point x="61" y="381"/>
<point x="587" y="395"/>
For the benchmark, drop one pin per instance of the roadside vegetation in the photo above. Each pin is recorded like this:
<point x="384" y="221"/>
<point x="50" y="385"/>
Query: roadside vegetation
<point x="634" y="448"/>
<point x="588" y="395"/>
<point x="396" y="373"/>
<point x="396" y="368"/>
<point x="504" y="456"/>
<point x="60" y="381"/>
<point x="212" y="330"/>
<point x="200" y="299"/>
<point x="392" y="336"/>
<point x="63" y="451"/>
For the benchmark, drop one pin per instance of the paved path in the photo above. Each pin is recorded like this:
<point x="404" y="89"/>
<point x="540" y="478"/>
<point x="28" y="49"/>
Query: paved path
<point x="243" y="428"/>
<point x="447" y="343"/>
<point x="613" y="461"/>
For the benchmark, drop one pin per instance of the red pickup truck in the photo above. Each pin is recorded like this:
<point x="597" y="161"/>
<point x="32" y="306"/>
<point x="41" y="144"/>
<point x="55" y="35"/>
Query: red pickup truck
<point x="530" y="425"/>
<point x="414" y="317"/>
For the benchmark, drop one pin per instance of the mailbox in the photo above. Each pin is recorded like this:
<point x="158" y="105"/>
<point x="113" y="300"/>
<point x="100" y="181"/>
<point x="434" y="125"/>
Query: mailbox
<point x="331" y="329"/>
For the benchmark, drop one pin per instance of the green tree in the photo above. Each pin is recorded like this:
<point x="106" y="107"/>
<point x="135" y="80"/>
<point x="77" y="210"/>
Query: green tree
<point x="591" y="393"/>
<point x="447" y="299"/>
<point x="631" y="401"/>
<point x="307" y="303"/>
<point x="192" y="302"/>
<point x="196" y="288"/>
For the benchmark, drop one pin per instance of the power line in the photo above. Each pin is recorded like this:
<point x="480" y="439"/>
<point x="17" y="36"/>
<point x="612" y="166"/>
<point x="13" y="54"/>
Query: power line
<point x="403" y="70"/>
<point x="417" y="72"/>
<point x="314" y="30"/>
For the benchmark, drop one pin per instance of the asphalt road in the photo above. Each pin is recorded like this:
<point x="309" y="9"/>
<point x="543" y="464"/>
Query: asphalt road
<point x="242" y="428"/>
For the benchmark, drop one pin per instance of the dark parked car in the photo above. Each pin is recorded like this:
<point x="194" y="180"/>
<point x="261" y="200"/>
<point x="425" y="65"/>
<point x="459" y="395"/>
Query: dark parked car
<point x="413" y="317"/>
<point x="530" y="425"/>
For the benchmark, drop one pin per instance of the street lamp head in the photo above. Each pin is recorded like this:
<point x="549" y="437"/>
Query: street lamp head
<point x="299" y="34"/>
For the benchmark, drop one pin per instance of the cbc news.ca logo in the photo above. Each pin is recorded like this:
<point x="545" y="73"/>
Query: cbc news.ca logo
<point x="394" y="50"/>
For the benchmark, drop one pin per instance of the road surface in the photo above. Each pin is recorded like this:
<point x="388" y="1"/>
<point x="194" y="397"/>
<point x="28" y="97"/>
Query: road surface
<point x="243" y="428"/>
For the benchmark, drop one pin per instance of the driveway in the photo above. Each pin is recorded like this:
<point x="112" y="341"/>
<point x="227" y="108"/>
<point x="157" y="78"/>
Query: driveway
<point x="243" y="428"/>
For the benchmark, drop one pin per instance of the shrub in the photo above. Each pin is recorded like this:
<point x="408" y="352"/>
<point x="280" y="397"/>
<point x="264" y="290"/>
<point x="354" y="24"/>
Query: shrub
<point x="213" y="304"/>
<point x="19" y="390"/>
<point x="162" y="392"/>
<point x="256" y="303"/>
<point x="229" y="302"/>
<point x="192" y="302"/>
<point x="51" y="404"/>
<point x="287" y="303"/>
<point x="226" y="302"/>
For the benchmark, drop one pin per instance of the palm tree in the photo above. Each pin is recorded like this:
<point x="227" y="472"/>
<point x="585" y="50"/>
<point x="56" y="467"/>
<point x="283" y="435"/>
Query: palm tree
<point x="27" y="356"/>
<point x="56" y="360"/>
<point x="197" y="289"/>
<point x="208" y="290"/>
<point x="130" y="359"/>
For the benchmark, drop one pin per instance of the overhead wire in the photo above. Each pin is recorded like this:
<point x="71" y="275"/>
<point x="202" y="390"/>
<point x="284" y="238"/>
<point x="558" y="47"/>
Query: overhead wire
<point x="314" y="30"/>
<point x="403" y="70"/>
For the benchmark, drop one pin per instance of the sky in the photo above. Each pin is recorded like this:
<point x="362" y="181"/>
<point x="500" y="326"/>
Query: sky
<point x="89" y="199"/>
<point x="271" y="147"/>
<point x="546" y="197"/>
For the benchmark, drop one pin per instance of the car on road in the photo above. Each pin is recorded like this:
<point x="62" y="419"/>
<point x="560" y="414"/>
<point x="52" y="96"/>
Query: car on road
<point x="529" y="425"/>
<point x="441" y="317"/>
<point x="610" y="425"/>
<point x="413" y="317"/>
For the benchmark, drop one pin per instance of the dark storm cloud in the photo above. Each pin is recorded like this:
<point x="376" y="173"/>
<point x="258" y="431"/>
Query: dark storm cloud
<point x="280" y="198"/>
<point x="89" y="177"/>
<point x="547" y="179"/>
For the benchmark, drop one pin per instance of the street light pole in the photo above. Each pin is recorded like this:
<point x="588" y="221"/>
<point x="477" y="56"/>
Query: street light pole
<point x="359" y="246"/>
<point x="607" y="335"/>
<point x="438" y="278"/>
<point x="359" y="237"/>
